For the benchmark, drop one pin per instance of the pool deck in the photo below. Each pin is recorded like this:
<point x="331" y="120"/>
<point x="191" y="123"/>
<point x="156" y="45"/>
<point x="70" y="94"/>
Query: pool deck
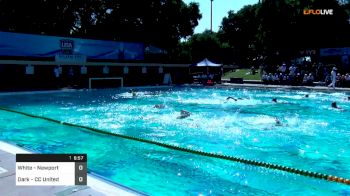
<point x="79" y="90"/>
<point x="95" y="187"/>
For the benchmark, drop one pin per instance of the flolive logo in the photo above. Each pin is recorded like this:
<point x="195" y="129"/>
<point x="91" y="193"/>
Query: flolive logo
<point x="318" y="12"/>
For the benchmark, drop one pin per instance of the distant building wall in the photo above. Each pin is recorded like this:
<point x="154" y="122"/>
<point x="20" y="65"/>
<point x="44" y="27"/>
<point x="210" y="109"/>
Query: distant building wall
<point x="28" y="62"/>
<point x="13" y="75"/>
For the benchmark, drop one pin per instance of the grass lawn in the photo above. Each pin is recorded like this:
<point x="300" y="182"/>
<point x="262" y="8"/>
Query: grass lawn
<point x="242" y="73"/>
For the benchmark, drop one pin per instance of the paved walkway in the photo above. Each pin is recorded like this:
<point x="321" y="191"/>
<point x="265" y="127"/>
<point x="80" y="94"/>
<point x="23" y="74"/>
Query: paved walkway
<point x="96" y="187"/>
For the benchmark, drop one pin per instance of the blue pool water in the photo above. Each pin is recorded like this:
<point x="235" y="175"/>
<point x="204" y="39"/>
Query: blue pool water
<point x="313" y="136"/>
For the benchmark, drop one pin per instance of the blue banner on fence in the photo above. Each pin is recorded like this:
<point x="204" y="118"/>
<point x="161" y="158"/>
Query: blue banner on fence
<point x="28" y="45"/>
<point x="334" y="51"/>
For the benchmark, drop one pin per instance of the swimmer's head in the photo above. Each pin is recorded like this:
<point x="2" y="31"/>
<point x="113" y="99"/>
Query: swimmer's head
<point x="274" y="100"/>
<point x="334" y="105"/>
<point x="306" y="95"/>
<point x="131" y="91"/>
<point x="159" y="106"/>
<point x="278" y="122"/>
<point x="184" y="112"/>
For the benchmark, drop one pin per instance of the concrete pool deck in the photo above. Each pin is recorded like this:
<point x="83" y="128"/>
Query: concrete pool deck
<point x="79" y="90"/>
<point x="95" y="187"/>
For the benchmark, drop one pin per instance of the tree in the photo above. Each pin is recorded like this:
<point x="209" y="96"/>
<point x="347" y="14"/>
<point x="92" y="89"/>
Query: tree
<point x="37" y="16"/>
<point x="159" y="22"/>
<point x="279" y="28"/>
<point x="205" y="45"/>
<point x="239" y="31"/>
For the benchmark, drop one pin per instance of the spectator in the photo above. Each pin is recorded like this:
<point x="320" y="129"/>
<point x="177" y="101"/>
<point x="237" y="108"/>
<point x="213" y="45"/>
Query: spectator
<point x="280" y="77"/>
<point x="328" y="78"/>
<point x="282" y="69"/>
<point x="310" y="79"/>
<point x="285" y="79"/>
<point x="338" y="79"/>
<point x="270" y="77"/>
<point x="275" y="78"/>
<point x="264" y="78"/>
<point x="305" y="79"/>
<point x="325" y="72"/>
<point x="71" y="76"/>
<point x="298" y="79"/>
<point x="305" y="74"/>
<point x="347" y="80"/>
<point x="252" y="70"/>
<point x="347" y="77"/>
<point x="56" y="72"/>
<point x="342" y="80"/>
<point x="333" y="77"/>
<point x="292" y="70"/>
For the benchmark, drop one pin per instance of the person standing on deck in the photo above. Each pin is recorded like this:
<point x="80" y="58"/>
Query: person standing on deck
<point x="71" y="77"/>
<point x="333" y="77"/>
<point x="57" y="81"/>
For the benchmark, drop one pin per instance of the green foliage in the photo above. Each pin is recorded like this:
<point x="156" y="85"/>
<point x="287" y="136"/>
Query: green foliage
<point x="239" y="31"/>
<point x="279" y="27"/>
<point x="259" y="30"/>
<point x="37" y="16"/>
<point x="204" y="45"/>
<point x="158" y="22"/>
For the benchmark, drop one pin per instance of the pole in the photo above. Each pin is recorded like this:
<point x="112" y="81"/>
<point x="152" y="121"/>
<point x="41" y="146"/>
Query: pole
<point x="211" y="15"/>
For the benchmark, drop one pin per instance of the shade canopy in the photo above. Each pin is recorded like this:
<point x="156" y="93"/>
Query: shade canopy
<point x="206" y="63"/>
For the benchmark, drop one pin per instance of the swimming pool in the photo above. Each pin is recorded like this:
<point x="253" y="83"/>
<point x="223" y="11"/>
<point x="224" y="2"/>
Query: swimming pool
<point x="312" y="137"/>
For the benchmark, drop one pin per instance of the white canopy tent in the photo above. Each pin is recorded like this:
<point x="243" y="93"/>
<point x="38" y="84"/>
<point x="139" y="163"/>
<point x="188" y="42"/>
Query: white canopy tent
<point x="207" y="63"/>
<point x="205" y="79"/>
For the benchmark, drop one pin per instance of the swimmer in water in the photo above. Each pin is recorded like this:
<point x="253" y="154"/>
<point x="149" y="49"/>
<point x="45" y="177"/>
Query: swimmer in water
<point x="228" y="98"/>
<point x="306" y="96"/>
<point x="159" y="106"/>
<point x="132" y="92"/>
<point x="278" y="122"/>
<point x="274" y="100"/>
<point x="184" y="114"/>
<point x="334" y="105"/>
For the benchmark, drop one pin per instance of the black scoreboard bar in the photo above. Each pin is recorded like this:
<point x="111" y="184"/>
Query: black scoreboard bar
<point x="51" y="169"/>
<point x="51" y="158"/>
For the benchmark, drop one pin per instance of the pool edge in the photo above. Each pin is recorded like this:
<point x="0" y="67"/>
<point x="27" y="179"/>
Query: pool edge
<point x="95" y="182"/>
<point x="77" y="90"/>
